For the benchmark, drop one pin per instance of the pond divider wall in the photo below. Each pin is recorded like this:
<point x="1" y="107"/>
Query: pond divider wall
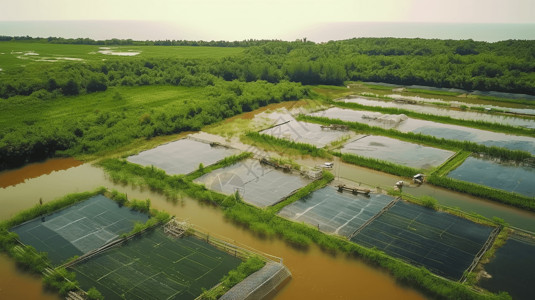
<point x="377" y="215"/>
<point x="490" y="241"/>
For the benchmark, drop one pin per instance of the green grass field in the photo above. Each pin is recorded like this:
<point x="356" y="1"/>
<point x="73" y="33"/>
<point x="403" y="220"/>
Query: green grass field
<point x="12" y="54"/>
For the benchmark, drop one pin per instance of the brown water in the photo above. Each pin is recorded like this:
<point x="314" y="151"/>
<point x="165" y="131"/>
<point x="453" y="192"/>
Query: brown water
<point x="16" y="284"/>
<point x="514" y="216"/>
<point x="316" y="275"/>
<point x="14" y="177"/>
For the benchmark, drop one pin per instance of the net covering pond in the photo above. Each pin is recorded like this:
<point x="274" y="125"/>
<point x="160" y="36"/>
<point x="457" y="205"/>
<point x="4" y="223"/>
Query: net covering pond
<point x="445" y="244"/>
<point x="182" y="156"/>
<point x="304" y="132"/>
<point x="257" y="183"/>
<point x="398" y="152"/>
<point x="155" y="266"/>
<point x="510" y="178"/>
<point x="511" y="270"/>
<point x="336" y="212"/>
<point x="79" y="228"/>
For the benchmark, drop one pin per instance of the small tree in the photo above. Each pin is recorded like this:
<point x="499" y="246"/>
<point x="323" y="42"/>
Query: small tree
<point x="71" y="88"/>
<point x="94" y="294"/>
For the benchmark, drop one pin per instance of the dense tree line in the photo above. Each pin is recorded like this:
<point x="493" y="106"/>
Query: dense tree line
<point x="129" y="42"/>
<point x="106" y="129"/>
<point x="507" y="66"/>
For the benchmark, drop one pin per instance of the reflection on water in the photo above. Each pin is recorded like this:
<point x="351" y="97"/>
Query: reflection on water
<point x="315" y="274"/>
<point x="439" y="130"/>
<point x="455" y="114"/>
<point x="17" y="284"/>
<point x="14" y="177"/>
<point x="511" y="178"/>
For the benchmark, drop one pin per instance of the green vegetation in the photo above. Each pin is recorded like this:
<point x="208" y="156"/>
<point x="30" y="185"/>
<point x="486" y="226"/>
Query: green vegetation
<point x="452" y="163"/>
<point x="497" y="127"/>
<point x="379" y="165"/>
<point x="47" y="208"/>
<point x="514" y="155"/>
<point x="157" y="180"/>
<point x="94" y="294"/>
<point x="225" y="162"/>
<point x="433" y="92"/>
<point x="315" y="185"/>
<point x="33" y="129"/>
<point x="61" y="280"/>
<point x="513" y="199"/>
<point x="267" y="223"/>
<point x="234" y="277"/>
<point x="277" y="144"/>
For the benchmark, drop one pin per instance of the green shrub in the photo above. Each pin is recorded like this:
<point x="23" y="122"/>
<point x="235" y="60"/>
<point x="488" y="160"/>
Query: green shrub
<point x="94" y="294"/>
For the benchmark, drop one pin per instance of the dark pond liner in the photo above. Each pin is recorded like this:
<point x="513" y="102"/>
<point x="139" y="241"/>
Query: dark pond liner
<point x="182" y="156"/>
<point x="443" y="243"/>
<point x="508" y="178"/>
<point x="512" y="269"/>
<point x="79" y="228"/>
<point x="155" y="266"/>
<point x="336" y="212"/>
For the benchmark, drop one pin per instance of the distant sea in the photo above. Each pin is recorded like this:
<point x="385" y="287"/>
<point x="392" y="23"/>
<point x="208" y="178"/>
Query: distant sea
<point x="323" y="32"/>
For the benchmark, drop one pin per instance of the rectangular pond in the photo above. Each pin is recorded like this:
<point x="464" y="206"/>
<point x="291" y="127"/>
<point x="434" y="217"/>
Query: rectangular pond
<point x="79" y="228"/>
<point x="308" y="133"/>
<point x="365" y="117"/>
<point x="336" y="212"/>
<point x="447" y="112"/>
<point x="511" y="269"/>
<point x="155" y="266"/>
<point x="445" y="244"/>
<point x="439" y="130"/>
<point x="258" y="184"/>
<point x="516" y="179"/>
<point x="182" y="156"/>
<point x="398" y="152"/>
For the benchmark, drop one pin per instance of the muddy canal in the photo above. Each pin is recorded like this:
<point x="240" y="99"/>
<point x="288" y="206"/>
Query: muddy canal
<point x="315" y="274"/>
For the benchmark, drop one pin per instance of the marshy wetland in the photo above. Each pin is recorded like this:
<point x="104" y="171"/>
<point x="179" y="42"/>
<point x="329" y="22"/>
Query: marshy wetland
<point x="289" y="171"/>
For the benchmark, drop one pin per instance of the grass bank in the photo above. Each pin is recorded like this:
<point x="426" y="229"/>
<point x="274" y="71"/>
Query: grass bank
<point x="514" y="155"/>
<point x="496" y="127"/>
<point x="29" y="259"/>
<point x="270" y="142"/>
<point x="266" y="222"/>
<point x="452" y="163"/>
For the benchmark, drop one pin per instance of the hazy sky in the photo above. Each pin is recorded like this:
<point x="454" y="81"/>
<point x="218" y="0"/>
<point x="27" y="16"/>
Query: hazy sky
<point x="270" y="18"/>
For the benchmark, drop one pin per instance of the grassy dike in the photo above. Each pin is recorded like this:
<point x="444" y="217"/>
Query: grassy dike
<point x="29" y="259"/>
<point x="496" y="127"/>
<point x="493" y="151"/>
<point x="482" y="191"/>
<point x="266" y="222"/>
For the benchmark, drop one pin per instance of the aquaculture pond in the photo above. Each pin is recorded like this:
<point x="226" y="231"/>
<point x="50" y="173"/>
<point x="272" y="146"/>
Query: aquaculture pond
<point x="336" y="212"/>
<point x="443" y="243"/>
<point x="155" y="266"/>
<point x="448" y="112"/>
<point x="366" y="117"/>
<point x="439" y="130"/>
<point x="510" y="107"/>
<point x="308" y="133"/>
<point x="258" y="184"/>
<point x="396" y="151"/>
<point x="78" y="229"/>
<point x="328" y="277"/>
<point x="511" y="270"/>
<point x="511" y="178"/>
<point x="183" y="156"/>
